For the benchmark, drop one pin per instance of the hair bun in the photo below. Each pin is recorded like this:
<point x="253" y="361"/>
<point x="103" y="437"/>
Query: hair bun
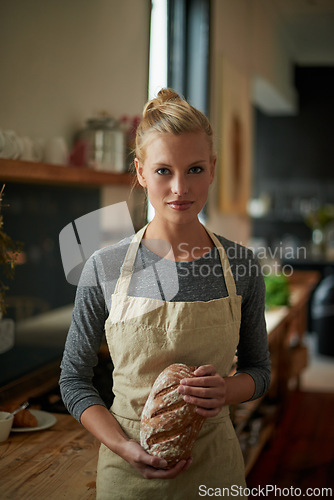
<point x="164" y="95"/>
<point x="170" y="113"/>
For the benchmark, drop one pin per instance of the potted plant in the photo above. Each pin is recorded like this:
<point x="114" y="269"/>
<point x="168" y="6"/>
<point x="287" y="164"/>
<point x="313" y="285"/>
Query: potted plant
<point x="9" y="252"/>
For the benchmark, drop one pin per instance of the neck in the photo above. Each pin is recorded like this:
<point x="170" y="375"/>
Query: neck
<point x="186" y="242"/>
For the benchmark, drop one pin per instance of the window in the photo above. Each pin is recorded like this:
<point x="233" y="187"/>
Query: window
<point x="179" y="51"/>
<point x="158" y="47"/>
<point x="188" y="50"/>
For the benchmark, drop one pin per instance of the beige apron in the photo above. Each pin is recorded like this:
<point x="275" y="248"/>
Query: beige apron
<point x="144" y="337"/>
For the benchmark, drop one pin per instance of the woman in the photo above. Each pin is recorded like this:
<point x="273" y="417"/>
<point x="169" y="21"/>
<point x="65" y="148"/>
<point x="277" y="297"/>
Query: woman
<point x="187" y="303"/>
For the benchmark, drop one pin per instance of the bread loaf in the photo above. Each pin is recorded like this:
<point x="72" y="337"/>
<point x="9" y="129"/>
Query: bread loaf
<point x="169" y="426"/>
<point x="23" y="418"/>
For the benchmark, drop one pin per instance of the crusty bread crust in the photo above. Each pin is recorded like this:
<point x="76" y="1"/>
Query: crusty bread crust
<point x="23" y="418"/>
<point x="169" y="426"/>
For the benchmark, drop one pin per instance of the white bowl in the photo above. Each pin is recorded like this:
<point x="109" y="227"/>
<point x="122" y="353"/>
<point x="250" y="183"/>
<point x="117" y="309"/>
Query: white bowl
<point x="5" y="425"/>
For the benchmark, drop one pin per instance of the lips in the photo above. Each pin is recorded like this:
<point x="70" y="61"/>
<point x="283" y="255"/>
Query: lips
<point x="180" y="205"/>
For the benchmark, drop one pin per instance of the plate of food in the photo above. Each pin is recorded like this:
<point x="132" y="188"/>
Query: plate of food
<point x="33" y="420"/>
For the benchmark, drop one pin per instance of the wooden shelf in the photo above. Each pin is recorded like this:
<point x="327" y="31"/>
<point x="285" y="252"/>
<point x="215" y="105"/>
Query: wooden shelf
<point x="60" y="175"/>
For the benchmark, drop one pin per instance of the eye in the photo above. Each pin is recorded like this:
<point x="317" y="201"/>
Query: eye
<point x="196" y="170"/>
<point x="162" y="171"/>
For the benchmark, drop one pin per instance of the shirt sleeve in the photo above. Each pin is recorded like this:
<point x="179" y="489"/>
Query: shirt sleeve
<point x="82" y="344"/>
<point x="253" y="353"/>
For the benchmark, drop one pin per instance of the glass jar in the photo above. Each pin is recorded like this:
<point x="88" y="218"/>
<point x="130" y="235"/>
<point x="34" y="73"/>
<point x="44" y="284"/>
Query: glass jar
<point x="105" y="142"/>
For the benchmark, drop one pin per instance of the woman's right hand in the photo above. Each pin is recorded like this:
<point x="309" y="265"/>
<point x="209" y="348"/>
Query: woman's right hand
<point x="102" y="424"/>
<point x="151" y="467"/>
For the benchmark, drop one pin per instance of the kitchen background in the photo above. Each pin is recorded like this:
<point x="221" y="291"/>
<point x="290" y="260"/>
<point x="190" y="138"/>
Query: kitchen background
<point x="65" y="62"/>
<point x="271" y="64"/>
<point x="293" y="160"/>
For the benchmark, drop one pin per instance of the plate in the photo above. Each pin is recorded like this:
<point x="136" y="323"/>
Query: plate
<point x="44" y="419"/>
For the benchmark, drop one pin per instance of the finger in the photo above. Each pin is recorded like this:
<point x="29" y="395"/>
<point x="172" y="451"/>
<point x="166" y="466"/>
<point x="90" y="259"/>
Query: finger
<point x="205" y="370"/>
<point x="203" y="402"/>
<point x="217" y="391"/>
<point x="209" y="381"/>
<point x="151" y="473"/>
<point x="213" y="412"/>
<point x="143" y="460"/>
<point x="201" y="392"/>
<point x="196" y="395"/>
<point x="156" y="462"/>
<point x="188" y="464"/>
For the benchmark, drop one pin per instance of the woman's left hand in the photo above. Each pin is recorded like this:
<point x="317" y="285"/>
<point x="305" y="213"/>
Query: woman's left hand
<point x="206" y="390"/>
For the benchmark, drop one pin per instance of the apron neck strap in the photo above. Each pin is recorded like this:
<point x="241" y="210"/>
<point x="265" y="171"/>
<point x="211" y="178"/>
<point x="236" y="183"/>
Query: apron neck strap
<point x="126" y="271"/>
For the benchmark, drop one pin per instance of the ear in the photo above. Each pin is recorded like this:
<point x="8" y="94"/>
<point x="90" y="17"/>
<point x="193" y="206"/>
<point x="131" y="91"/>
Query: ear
<point x="139" y="171"/>
<point x="212" y="169"/>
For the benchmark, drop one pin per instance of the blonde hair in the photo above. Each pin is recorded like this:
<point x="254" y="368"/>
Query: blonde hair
<point x="169" y="113"/>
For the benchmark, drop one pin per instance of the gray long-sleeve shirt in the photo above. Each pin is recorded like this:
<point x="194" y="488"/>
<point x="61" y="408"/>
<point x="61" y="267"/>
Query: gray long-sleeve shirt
<point x="200" y="279"/>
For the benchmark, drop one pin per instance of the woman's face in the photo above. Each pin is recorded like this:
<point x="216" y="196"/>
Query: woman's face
<point x="177" y="172"/>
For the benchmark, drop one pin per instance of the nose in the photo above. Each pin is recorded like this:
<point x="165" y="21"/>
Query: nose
<point x="179" y="185"/>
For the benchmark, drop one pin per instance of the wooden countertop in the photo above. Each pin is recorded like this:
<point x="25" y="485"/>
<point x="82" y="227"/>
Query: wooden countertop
<point x="59" y="462"/>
